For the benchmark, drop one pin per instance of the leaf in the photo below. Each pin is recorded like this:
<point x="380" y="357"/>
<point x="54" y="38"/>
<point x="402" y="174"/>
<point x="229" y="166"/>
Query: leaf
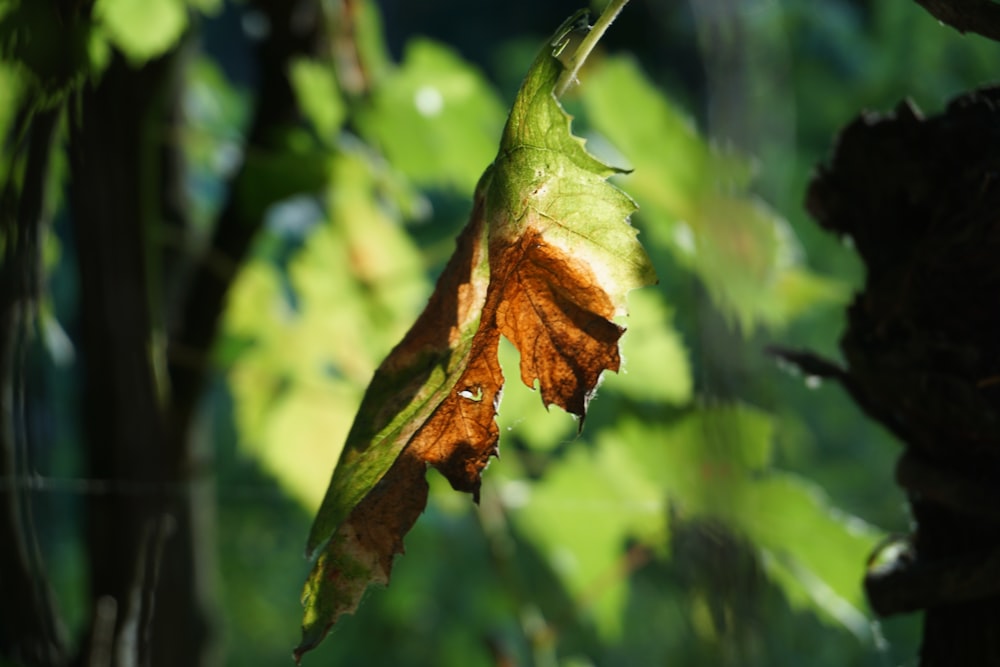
<point x="581" y="516"/>
<point x="810" y="549"/>
<point x="664" y="373"/>
<point x="585" y="510"/>
<point x="717" y="462"/>
<point x="713" y="462"/>
<point x="306" y="349"/>
<point x="142" y="29"/>
<point x="545" y="261"/>
<point x="695" y="197"/>
<point x="436" y="118"/>
<point x="146" y="29"/>
<point x="318" y="95"/>
<point x="275" y="174"/>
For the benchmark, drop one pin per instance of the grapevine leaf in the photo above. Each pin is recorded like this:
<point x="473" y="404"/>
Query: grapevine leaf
<point x="545" y="261"/>
<point x="714" y="462"/>
<point x="146" y="29"/>
<point x="302" y="351"/>
<point x="744" y="252"/>
<point x="436" y="118"/>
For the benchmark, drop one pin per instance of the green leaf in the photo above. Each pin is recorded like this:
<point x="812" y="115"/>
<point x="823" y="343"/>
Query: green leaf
<point x="695" y="203"/>
<point x="655" y="364"/>
<point x="275" y="174"/>
<point x="146" y="29"/>
<point x="436" y="118"/>
<point x="717" y="462"/>
<point x="142" y="29"/>
<point x="714" y="462"/>
<point x="300" y="370"/>
<point x="581" y="515"/>
<point x="524" y="417"/>
<point x="815" y="553"/>
<point x="674" y="166"/>
<point x="319" y="96"/>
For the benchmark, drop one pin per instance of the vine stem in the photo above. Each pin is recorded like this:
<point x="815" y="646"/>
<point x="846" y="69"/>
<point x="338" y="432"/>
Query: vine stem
<point x="587" y="45"/>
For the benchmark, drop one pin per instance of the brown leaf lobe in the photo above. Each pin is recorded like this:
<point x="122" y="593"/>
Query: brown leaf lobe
<point x="559" y="319"/>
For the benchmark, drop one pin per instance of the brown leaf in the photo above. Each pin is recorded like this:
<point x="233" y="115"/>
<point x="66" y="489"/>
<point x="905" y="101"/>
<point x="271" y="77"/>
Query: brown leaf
<point x="546" y="261"/>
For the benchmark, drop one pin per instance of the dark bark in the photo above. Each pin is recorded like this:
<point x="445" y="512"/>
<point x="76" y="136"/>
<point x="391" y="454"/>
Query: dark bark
<point x="150" y="537"/>
<point x="114" y="208"/>
<point x="978" y="16"/>
<point x="919" y="198"/>
<point x="30" y="631"/>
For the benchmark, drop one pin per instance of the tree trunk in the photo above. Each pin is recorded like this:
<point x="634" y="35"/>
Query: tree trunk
<point x="29" y="628"/>
<point x="150" y="537"/>
<point x="140" y="543"/>
<point x="920" y="200"/>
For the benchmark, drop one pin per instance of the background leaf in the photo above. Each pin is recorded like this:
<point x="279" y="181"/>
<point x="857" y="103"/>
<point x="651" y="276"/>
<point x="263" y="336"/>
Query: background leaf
<point x="346" y="302"/>
<point x="435" y="118"/>
<point x="319" y="95"/>
<point x="142" y="29"/>
<point x="694" y="201"/>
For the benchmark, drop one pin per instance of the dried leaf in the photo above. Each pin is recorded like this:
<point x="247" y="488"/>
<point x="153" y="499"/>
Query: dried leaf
<point x="545" y="261"/>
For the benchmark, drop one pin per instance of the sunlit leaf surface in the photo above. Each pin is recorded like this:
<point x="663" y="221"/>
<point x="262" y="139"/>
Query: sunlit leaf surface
<point x="546" y="261"/>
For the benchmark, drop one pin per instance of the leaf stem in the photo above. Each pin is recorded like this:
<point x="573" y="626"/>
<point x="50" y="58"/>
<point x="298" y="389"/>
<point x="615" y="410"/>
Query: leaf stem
<point x="597" y="31"/>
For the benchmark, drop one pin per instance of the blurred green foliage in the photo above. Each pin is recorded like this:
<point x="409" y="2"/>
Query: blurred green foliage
<point x="714" y="510"/>
<point x="146" y="29"/>
<point x="695" y="197"/>
<point x="577" y="503"/>
<point x="435" y="119"/>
